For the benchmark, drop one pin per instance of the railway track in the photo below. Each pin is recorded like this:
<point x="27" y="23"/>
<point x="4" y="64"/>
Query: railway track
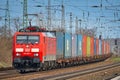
<point x="13" y="73"/>
<point x="8" y="68"/>
<point x="7" y="74"/>
<point x="78" y="73"/>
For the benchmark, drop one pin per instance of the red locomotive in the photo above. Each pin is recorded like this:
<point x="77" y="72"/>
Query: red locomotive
<point x="31" y="50"/>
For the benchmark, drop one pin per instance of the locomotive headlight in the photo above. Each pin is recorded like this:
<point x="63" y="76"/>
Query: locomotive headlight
<point x="19" y="49"/>
<point x="36" y="54"/>
<point x="18" y="54"/>
<point x="35" y="50"/>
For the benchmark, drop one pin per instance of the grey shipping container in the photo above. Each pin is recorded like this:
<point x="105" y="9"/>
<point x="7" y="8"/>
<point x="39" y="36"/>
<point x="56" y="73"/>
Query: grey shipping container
<point x="74" y="45"/>
<point x="60" y="44"/>
<point x="100" y="47"/>
<point x="67" y="45"/>
<point x="79" y="45"/>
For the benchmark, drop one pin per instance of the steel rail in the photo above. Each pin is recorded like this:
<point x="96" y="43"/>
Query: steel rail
<point x="78" y="73"/>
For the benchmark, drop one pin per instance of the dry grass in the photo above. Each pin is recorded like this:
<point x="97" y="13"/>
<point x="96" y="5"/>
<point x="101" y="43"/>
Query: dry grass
<point x="116" y="59"/>
<point x="5" y="52"/>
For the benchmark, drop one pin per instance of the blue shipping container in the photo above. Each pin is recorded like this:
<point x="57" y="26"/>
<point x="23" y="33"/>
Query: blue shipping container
<point x="79" y="45"/>
<point x="95" y="49"/>
<point x="67" y="45"/>
<point x="60" y="44"/>
<point x="74" y="45"/>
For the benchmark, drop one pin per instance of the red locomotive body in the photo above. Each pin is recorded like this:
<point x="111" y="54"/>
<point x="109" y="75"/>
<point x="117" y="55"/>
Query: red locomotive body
<point x="31" y="50"/>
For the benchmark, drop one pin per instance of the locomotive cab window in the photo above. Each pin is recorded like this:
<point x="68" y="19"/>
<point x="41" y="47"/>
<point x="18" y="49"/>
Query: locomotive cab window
<point x="27" y="39"/>
<point x="33" y="39"/>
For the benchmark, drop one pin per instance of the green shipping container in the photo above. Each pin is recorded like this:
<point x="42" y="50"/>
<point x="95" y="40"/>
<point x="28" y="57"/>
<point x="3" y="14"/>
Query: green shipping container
<point x="79" y="45"/>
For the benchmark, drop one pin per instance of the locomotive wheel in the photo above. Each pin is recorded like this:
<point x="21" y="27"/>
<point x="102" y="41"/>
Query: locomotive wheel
<point x="44" y="69"/>
<point x="22" y="71"/>
<point x="38" y="69"/>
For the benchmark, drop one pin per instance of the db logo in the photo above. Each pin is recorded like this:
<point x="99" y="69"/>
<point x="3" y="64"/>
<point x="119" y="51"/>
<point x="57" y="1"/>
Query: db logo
<point x="27" y="50"/>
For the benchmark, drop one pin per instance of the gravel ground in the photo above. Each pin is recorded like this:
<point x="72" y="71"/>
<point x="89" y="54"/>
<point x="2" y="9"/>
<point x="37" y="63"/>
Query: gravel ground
<point x="94" y="76"/>
<point x="100" y="75"/>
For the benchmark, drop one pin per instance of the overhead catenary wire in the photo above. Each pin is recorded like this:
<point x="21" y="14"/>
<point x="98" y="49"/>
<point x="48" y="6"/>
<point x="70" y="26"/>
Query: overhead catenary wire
<point x="109" y="7"/>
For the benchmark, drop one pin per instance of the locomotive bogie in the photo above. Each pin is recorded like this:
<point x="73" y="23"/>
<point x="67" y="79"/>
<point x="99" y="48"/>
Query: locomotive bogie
<point x="26" y="62"/>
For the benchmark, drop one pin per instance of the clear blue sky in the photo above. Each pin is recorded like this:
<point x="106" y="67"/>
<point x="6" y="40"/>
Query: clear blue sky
<point x="104" y="19"/>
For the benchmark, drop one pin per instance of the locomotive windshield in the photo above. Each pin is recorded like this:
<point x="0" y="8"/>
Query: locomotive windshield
<point x="27" y="39"/>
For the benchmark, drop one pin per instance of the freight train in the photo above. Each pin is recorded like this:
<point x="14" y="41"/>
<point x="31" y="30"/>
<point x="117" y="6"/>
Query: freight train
<point x="35" y="48"/>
